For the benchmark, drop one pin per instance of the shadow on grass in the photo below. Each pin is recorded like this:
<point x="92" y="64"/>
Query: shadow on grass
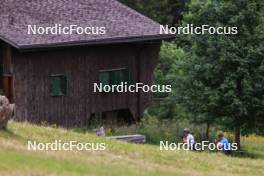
<point x="7" y="133"/>
<point x="247" y="154"/>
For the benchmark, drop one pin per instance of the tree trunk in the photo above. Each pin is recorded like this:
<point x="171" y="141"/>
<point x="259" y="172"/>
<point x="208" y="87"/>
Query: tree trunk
<point x="239" y="116"/>
<point x="207" y="130"/>
<point x="237" y="136"/>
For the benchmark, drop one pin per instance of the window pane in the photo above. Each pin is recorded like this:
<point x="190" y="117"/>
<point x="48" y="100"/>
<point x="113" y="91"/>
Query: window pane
<point x="104" y="78"/>
<point x="122" y="77"/>
<point x="116" y="77"/>
<point x="56" y="88"/>
<point x="59" y="85"/>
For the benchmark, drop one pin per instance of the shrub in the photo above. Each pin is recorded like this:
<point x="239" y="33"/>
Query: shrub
<point x="170" y="130"/>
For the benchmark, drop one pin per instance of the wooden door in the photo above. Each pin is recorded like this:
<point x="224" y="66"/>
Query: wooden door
<point x="8" y="86"/>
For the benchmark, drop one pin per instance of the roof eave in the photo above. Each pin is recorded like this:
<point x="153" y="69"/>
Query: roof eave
<point x="9" y="42"/>
<point x="147" y="39"/>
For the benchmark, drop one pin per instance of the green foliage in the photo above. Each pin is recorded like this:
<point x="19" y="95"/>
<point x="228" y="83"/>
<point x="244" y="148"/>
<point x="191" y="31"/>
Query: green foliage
<point x="216" y="79"/>
<point x="225" y="73"/>
<point x="165" y="106"/>
<point x="156" y="130"/>
<point x="165" y="12"/>
<point x="170" y="60"/>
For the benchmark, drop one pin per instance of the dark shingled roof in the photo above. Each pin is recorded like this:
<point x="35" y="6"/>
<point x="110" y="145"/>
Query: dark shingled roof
<point x="122" y="23"/>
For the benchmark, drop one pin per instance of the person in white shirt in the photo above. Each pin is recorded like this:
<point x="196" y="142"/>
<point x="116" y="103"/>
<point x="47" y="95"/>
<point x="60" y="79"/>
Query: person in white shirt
<point x="188" y="138"/>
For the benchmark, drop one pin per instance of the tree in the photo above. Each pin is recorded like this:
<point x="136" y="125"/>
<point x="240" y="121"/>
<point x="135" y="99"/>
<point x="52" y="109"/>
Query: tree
<point x="225" y="73"/>
<point x="166" y="11"/>
<point x="169" y="65"/>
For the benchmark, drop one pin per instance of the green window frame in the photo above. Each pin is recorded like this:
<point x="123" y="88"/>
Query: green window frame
<point x="114" y="76"/>
<point x="59" y="85"/>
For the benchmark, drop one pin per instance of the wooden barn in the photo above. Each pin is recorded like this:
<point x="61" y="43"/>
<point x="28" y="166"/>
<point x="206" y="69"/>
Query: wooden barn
<point x="50" y="77"/>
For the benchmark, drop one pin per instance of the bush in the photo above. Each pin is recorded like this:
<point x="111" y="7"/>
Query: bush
<point x="170" y="130"/>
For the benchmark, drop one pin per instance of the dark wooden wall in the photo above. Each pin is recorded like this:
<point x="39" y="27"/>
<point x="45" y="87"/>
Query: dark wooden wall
<point x="32" y="71"/>
<point x="6" y="59"/>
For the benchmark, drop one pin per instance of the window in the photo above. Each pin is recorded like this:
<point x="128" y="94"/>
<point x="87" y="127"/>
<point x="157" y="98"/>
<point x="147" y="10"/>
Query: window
<point x="59" y="85"/>
<point x="114" y="77"/>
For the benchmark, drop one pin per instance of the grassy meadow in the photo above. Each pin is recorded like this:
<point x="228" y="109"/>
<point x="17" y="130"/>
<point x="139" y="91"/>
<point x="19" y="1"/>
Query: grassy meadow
<point x="119" y="158"/>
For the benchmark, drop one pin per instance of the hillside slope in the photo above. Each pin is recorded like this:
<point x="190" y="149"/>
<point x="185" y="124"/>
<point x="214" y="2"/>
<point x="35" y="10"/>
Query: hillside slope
<point x="118" y="159"/>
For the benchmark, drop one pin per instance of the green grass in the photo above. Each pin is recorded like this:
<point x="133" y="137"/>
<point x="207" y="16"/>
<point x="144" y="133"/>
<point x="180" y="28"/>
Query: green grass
<point x="254" y="146"/>
<point x="118" y="159"/>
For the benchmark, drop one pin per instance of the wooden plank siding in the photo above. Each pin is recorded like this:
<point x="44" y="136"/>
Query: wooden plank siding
<point x="32" y="71"/>
<point x="7" y="60"/>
